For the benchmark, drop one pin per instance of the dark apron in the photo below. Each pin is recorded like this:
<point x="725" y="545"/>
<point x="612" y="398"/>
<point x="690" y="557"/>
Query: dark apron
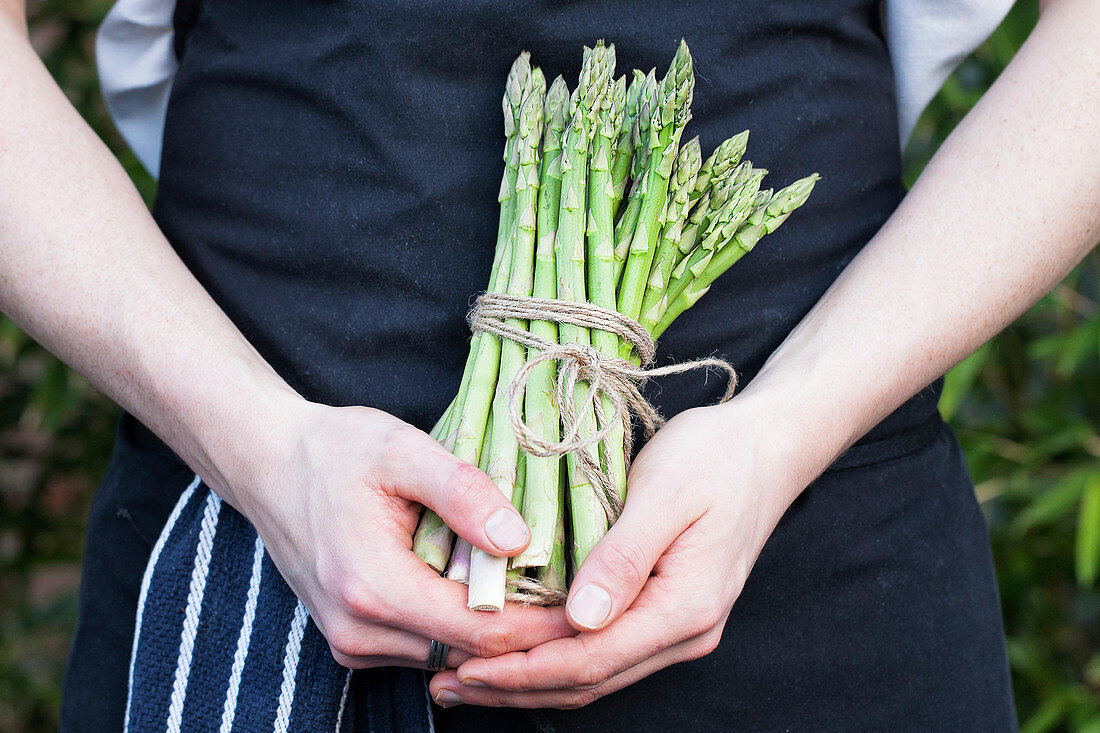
<point x="330" y="173"/>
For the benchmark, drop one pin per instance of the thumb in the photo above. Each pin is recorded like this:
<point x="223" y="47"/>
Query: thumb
<point x="614" y="572"/>
<point x="467" y="500"/>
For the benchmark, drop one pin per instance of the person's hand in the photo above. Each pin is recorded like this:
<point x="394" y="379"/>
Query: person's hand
<point x="337" y="512"/>
<point x="703" y="496"/>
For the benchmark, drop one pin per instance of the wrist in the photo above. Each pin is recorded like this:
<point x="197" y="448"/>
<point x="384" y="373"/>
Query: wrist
<point x="234" y="427"/>
<point x="793" y="436"/>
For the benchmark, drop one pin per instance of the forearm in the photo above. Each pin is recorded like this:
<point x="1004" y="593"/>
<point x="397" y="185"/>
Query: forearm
<point x="1006" y="208"/>
<point x="85" y="270"/>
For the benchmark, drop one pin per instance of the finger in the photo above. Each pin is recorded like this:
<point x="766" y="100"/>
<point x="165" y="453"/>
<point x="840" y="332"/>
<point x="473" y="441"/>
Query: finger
<point x="380" y="646"/>
<point x="447" y="690"/>
<point x="420" y="469"/>
<point x="618" y="567"/>
<point x="590" y="658"/>
<point x="426" y="604"/>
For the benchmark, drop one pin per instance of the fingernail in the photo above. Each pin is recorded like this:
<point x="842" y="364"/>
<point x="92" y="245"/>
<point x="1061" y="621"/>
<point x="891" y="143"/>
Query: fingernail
<point x="590" y="606"/>
<point x="446" y="698"/>
<point x="471" y="682"/>
<point x="506" y="530"/>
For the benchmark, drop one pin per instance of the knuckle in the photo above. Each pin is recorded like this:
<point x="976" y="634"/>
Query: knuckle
<point x="490" y="642"/>
<point x="703" y="618"/>
<point x="590" y="676"/>
<point x="697" y="623"/>
<point x="392" y="446"/>
<point x="389" y="440"/>
<point x="496" y="700"/>
<point x="625" y="561"/>
<point x="706" y="644"/>
<point x="351" y="647"/>
<point x="389" y="455"/>
<point x="465" y="487"/>
<point x="344" y="646"/>
<point x="361" y="603"/>
<point x="344" y="660"/>
<point x="355" y="661"/>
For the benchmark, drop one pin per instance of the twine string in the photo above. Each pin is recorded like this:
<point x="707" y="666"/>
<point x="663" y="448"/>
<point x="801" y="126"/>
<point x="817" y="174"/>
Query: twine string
<point x="606" y="376"/>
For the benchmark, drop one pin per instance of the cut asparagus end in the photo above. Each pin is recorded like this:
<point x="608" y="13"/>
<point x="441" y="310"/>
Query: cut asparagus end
<point x="486" y="596"/>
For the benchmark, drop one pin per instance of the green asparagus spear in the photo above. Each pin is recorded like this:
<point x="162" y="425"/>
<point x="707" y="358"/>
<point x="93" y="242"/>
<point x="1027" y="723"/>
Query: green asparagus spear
<point x="720" y="163"/>
<point x="482" y="379"/>
<point x="773" y="213"/>
<point x="623" y="154"/>
<point x="738" y="194"/>
<point x="540" y="503"/>
<point x="681" y="188"/>
<point x="589" y="522"/>
<point x="554" y="574"/>
<point x="515" y="88"/>
<point x="672" y="113"/>
<point x="487" y="572"/>
<point x="601" y="257"/>
<point x="433" y="539"/>
<point x="628" y="221"/>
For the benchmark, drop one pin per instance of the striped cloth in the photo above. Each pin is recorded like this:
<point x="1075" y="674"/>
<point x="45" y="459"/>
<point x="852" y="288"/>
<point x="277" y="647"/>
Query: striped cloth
<point x="221" y="643"/>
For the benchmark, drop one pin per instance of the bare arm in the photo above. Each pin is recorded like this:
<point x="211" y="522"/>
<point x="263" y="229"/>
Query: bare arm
<point x="1007" y="207"/>
<point x="86" y="271"/>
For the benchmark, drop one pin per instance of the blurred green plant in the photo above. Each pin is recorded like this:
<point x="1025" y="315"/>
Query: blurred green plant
<point x="1026" y="407"/>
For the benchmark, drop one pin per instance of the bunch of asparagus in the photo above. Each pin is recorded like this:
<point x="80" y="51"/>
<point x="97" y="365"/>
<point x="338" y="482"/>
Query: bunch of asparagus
<point x="599" y="203"/>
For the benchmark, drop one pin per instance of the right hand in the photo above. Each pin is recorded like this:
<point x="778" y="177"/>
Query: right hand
<point x="337" y="512"/>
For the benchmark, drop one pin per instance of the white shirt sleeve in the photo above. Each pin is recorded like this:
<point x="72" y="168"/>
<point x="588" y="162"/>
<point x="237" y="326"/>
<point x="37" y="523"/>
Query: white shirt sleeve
<point x="927" y="40"/>
<point x="137" y="63"/>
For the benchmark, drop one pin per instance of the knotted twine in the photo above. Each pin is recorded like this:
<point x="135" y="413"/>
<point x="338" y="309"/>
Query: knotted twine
<point x="607" y="376"/>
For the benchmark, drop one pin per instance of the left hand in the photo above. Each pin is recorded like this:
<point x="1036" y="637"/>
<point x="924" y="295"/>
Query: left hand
<point x="702" y="499"/>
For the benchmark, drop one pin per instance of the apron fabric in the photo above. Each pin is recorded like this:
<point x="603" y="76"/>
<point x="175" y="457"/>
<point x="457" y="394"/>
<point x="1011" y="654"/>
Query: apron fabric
<point x="330" y="173"/>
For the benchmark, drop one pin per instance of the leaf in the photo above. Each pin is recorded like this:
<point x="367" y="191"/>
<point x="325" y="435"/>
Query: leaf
<point x="1087" y="546"/>
<point x="1078" y="347"/>
<point x="1052" y="504"/>
<point x="1047" y="717"/>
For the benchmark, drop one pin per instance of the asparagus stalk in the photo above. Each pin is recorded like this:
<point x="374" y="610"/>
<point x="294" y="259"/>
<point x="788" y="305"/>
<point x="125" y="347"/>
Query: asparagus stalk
<point x="731" y="200"/>
<point x="432" y="533"/>
<point x="681" y="188"/>
<point x="717" y="168"/>
<point x="685" y="277"/>
<point x="482" y="380"/>
<point x="541" y="506"/>
<point x="720" y="163"/>
<point x="554" y="574"/>
<point x="487" y="571"/>
<point x="724" y="223"/>
<point x="601" y="256"/>
<point x="589" y="521"/>
<point x="517" y="502"/>
<point x="623" y="153"/>
<point x="625" y="226"/>
<point x="459" y="567"/>
<point x="672" y="113"/>
<point x="766" y="219"/>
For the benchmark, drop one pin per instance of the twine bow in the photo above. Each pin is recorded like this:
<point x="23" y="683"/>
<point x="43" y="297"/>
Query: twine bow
<point x="606" y="376"/>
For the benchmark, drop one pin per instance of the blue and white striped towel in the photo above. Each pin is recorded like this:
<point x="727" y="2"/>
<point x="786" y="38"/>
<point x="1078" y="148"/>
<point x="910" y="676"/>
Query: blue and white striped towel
<point x="222" y="644"/>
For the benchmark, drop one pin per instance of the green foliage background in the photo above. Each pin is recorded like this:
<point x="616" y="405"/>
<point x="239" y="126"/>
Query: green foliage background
<point x="1026" y="407"/>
